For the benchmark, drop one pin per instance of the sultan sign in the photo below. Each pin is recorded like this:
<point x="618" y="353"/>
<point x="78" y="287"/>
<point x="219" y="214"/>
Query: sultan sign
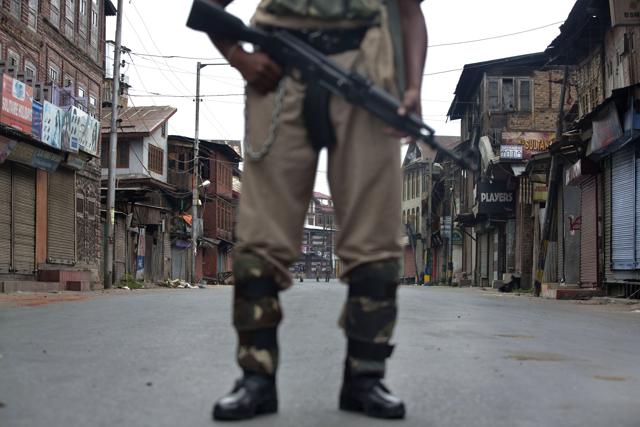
<point x="495" y="198"/>
<point x="531" y="142"/>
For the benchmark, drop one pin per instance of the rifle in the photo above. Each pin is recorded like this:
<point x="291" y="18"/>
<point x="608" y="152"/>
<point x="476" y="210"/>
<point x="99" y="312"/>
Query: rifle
<point x="300" y="59"/>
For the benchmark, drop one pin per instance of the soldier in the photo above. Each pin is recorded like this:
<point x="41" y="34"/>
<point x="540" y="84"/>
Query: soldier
<point x="287" y="124"/>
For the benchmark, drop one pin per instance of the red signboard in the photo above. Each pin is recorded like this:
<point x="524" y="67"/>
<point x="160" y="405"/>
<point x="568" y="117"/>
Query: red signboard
<point x="531" y="142"/>
<point x="17" y="99"/>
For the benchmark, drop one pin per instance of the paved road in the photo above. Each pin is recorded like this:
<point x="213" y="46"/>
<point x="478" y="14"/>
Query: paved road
<point x="465" y="358"/>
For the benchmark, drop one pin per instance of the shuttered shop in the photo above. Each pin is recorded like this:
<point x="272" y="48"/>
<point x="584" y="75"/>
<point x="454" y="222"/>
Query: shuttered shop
<point x="61" y="238"/>
<point x="5" y="218"/>
<point x="623" y="195"/>
<point x="589" y="234"/>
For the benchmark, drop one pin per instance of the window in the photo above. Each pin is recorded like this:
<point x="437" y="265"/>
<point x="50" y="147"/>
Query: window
<point x="81" y="92"/>
<point x="494" y="99"/>
<point x="16" y="8"/>
<point x="156" y="159"/>
<point x="54" y="12"/>
<point x="30" y="70"/>
<point x="83" y="8"/>
<point x="68" y="80"/>
<point x="508" y="99"/>
<point x="54" y="73"/>
<point x="524" y="95"/>
<point x="417" y="219"/>
<point x="69" y="18"/>
<point x="92" y="101"/>
<point x="509" y="94"/>
<point x="32" y="17"/>
<point x="14" y="58"/>
<point x="163" y="130"/>
<point x="122" y="154"/>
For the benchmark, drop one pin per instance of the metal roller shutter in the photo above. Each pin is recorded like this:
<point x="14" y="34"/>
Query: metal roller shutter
<point x="61" y="213"/>
<point x="5" y="218"/>
<point x="637" y="160"/>
<point x="482" y="256"/>
<point x="624" y="212"/>
<point x="589" y="235"/>
<point x="24" y="219"/>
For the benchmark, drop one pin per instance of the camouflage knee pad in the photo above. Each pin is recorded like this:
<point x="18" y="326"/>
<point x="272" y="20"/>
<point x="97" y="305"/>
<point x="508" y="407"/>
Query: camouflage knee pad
<point x="256" y="314"/>
<point x="369" y="316"/>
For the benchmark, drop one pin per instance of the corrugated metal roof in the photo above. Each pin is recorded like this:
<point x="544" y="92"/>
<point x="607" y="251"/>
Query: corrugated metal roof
<point x="139" y="120"/>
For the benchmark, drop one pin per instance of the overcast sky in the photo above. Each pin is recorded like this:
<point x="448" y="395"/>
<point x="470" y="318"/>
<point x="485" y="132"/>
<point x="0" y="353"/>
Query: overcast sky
<point x="152" y="27"/>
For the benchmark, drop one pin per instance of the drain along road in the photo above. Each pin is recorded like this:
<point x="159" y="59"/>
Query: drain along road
<point x="464" y="358"/>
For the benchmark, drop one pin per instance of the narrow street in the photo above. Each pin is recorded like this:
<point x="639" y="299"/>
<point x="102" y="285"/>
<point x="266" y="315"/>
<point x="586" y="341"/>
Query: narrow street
<point x="465" y="357"/>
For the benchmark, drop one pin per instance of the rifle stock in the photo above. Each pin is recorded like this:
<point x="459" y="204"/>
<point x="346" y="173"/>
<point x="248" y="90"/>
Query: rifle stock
<point x="293" y="54"/>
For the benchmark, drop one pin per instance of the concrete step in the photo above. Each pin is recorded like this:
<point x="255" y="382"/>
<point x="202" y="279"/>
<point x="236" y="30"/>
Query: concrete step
<point x="571" y="293"/>
<point x="29" y="286"/>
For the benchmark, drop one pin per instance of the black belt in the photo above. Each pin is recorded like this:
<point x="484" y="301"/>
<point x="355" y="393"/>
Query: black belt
<point x="328" y="41"/>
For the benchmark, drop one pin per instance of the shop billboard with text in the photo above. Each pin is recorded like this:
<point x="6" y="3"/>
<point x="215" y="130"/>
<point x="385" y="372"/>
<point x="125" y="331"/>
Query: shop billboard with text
<point x="16" y="107"/>
<point x="531" y="142"/>
<point x="495" y="198"/>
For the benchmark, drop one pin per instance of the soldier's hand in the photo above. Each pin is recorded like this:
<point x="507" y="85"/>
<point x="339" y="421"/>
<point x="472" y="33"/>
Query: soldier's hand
<point x="410" y="104"/>
<point x="258" y="70"/>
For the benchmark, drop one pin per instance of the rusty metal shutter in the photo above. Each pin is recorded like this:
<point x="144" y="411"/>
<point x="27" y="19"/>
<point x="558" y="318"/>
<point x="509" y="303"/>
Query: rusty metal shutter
<point x="623" y="209"/>
<point x="5" y="218"/>
<point x="589" y="234"/>
<point x="24" y="219"/>
<point x="483" y="255"/>
<point x="607" y="221"/>
<point x="61" y="216"/>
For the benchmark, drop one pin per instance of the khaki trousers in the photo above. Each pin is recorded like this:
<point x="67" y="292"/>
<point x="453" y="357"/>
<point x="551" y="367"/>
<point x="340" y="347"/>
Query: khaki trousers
<point x="363" y="172"/>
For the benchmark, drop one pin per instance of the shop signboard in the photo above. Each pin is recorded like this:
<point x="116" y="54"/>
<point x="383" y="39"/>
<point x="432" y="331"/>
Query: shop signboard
<point x="495" y="198"/>
<point x="540" y="192"/>
<point x="511" y="152"/>
<point x="16" y="106"/>
<point x="606" y="129"/>
<point x="531" y="142"/>
<point x="52" y="119"/>
<point x="624" y="12"/>
<point x="456" y="237"/>
<point x="6" y="146"/>
<point x="36" y="120"/>
<point x="35" y="157"/>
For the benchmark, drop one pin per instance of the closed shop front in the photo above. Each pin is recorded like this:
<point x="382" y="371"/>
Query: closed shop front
<point x="483" y="258"/>
<point x="589" y="234"/>
<point x="624" y="200"/>
<point x="61" y="224"/>
<point x="17" y="219"/>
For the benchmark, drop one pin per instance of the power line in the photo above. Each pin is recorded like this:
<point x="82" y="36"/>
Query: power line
<point x="178" y="57"/>
<point x="496" y="37"/>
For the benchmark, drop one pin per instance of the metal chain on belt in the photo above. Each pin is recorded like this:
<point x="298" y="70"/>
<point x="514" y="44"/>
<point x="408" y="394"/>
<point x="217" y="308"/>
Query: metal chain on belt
<point x="256" y="156"/>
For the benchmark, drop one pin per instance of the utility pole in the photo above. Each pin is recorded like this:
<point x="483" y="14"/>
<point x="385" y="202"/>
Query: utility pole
<point x="194" y="180"/>
<point x="113" y="150"/>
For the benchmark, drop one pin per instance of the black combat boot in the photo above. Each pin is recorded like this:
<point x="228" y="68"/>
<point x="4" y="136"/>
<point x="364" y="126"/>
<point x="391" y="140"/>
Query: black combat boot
<point x="253" y="394"/>
<point x="369" y="395"/>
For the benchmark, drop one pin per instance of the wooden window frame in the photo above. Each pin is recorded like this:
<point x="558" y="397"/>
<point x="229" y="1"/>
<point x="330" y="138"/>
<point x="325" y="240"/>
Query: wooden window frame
<point x="155" y="159"/>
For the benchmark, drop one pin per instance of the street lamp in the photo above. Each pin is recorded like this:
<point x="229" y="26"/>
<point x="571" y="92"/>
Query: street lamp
<point x="194" y="180"/>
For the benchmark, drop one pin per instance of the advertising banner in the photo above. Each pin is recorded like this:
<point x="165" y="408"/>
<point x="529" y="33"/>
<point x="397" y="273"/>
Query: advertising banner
<point x="531" y="142"/>
<point x="16" y="107"/>
<point x="52" y="119"/>
<point x="80" y="131"/>
<point x="36" y="121"/>
<point x="494" y="198"/>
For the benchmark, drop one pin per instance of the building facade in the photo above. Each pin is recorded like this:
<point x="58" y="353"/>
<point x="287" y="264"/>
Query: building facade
<point x="508" y="109"/>
<point x="51" y="58"/>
